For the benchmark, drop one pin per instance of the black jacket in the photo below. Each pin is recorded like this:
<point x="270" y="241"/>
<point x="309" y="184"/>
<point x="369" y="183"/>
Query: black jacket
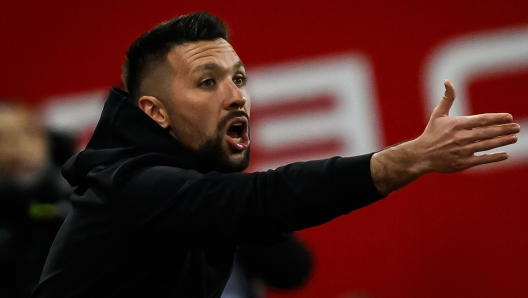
<point x="149" y="220"/>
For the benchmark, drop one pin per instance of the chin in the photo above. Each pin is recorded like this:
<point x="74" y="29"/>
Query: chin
<point x="216" y="155"/>
<point x="236" y="162"/>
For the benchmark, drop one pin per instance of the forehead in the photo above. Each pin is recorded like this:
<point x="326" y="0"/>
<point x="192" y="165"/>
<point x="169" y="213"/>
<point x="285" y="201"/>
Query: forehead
<point x="19" y="121"/>
<point x="189" y="56"/>
<point x="13" y="115"/>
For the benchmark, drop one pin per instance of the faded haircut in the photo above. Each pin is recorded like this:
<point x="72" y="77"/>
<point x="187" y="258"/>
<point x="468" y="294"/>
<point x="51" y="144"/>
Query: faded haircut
<point x="152" y="47"/>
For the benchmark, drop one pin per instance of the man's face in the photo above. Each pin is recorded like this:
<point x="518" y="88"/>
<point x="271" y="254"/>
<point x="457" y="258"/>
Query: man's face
<point x="23" y="145"/>
<point x="209" y="106"/>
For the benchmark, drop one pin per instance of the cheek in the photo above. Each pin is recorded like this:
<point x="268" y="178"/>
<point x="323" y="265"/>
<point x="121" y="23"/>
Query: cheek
<point x="197" y="126"/>
<point x="205" y="119"/>
<point x="196" y="115"/>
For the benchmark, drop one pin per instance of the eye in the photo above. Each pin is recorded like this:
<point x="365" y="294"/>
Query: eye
<point x="240" y="81"/>
<point x="208" y="83"/>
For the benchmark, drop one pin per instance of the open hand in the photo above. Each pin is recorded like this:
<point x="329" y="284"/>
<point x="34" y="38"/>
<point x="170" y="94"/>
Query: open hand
<point x="448" y="144"/>
<point x="451" y="144"/>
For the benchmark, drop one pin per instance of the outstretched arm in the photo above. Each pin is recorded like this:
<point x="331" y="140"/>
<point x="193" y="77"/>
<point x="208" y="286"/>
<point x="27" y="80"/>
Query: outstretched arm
<point x="448" y="144"/>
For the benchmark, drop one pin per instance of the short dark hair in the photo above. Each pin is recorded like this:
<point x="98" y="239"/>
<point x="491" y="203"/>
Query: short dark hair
<point x="154" y="45"/>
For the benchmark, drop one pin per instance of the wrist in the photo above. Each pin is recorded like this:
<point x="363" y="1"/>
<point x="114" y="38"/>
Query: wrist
<point x="413" y="158"/>
<point x="397" y="166"/>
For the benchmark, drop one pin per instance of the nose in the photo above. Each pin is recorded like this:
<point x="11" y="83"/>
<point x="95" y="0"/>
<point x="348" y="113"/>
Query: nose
<point x="235" y="97"/>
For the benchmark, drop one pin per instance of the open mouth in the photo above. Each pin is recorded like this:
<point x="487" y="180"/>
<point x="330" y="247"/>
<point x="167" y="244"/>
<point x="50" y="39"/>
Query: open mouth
<point x="237" y="133"/>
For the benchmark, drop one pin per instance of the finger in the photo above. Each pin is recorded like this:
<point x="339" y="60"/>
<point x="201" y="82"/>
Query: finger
<point x="492" y="131"/>
<point x="474" y="121"/>
<point x="492" y="143"/>
<point x="476" y="160"/>
<point x="447" y="100"/>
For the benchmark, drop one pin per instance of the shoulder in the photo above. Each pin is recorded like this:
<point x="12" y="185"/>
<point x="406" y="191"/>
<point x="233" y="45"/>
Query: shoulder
<point x="159" y="180"/>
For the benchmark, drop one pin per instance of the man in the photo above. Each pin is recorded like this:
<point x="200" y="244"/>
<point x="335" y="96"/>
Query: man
<point x="33" y="198"/>
<point x="161" y="204"/>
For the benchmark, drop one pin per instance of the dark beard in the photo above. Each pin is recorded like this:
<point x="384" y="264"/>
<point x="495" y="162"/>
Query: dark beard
<point x="211" y="155"/>
<point x="213" y="158"/>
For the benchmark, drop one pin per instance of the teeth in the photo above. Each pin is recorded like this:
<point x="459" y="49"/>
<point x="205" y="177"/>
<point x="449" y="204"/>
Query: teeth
<point x="237" y="124"/>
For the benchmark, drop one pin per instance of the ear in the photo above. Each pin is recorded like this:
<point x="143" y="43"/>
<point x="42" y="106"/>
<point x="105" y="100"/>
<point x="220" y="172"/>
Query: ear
<point x="155" y="109"/>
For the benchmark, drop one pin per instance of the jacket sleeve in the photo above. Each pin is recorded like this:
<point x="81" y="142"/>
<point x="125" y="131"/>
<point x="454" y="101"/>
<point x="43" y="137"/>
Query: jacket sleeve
<point x="236" y="207"/>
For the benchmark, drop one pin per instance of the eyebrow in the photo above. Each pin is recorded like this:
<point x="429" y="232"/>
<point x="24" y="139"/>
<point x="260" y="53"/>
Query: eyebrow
<point x="214" y="66"/>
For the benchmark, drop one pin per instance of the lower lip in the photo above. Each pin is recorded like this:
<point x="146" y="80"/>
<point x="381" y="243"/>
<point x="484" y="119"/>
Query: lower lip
<point x="238" y="146"/>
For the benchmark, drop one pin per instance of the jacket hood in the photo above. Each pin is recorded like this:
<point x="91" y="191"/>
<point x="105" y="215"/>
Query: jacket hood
<point x="125" y="131"/>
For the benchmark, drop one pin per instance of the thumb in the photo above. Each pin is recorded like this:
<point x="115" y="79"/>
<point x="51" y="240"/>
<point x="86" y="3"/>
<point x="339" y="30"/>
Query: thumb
<point x="447" y="100"/>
